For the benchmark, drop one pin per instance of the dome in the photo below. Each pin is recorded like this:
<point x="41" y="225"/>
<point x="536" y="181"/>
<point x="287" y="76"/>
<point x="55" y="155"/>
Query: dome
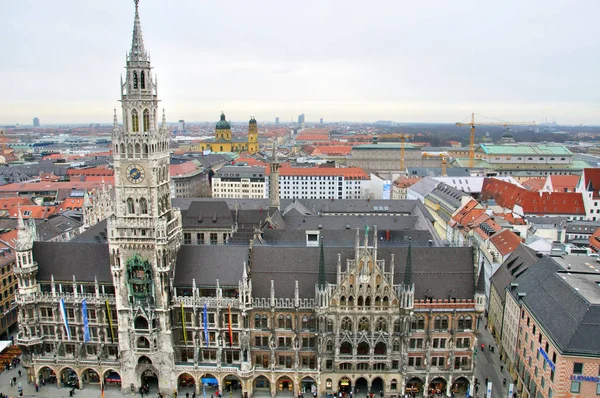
<point x="252" y="120"/>
<point x="223" y="124"/>
<point x="507" y="135"/>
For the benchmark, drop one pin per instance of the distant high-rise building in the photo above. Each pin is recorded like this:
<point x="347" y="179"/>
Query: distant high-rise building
<point x="181" y="126"/>
<point x="301" y="119"/>
<point x="36" y="122"/>
<point x="277" y="120"/>
<point x="321" y="121"/>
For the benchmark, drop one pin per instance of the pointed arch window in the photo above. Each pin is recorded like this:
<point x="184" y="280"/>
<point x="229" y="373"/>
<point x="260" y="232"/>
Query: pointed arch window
<point x="381" y="325"/>
<point x="363" y="325"/>
<point x="143" y="206"/>
<point x="135" y="80"/>
<point x="135" y="121"/>
<point x="146" y="119"/>
<point x="142" y="80"/>
<point x="130" y="206"/>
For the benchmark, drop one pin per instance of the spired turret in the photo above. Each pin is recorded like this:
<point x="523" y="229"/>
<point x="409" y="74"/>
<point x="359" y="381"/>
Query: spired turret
<point x="407" y="299"/>
<point x="322" y="287"/>
<point x="480" y="299"/>
<point x="25" y="269"/>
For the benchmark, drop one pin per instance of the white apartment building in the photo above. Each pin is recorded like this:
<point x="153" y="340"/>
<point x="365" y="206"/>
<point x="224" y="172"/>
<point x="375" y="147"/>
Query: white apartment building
<point x="323" y="183"/>
<point x="248" y="182"/>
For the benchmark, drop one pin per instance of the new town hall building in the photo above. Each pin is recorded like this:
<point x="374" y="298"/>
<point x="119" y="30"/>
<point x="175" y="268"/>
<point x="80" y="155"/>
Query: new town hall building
<point x="269" y="298"/>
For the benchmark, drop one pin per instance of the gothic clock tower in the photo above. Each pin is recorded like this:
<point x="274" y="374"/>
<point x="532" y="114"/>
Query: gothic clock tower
<point x="145" y="232"/>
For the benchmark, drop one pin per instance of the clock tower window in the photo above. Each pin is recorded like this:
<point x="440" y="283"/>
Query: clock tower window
<point x="143" y="206"/>
<point x="142" y="80"/>
<point x="135" y="121"/>
<point x="146" y="115"/>
<point x="130" y="206"/>
<point x="135" y="81"/>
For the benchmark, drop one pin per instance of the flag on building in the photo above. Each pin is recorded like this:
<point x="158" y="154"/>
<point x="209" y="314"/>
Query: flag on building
<point x="230" y="331"/>
<point x="205" y="322"/>
<point x="63" y="313"/>
<point x="86" y="326"/>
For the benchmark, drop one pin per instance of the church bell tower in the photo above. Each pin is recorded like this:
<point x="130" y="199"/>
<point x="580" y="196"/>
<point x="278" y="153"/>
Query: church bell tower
<point x="144" y="233"/>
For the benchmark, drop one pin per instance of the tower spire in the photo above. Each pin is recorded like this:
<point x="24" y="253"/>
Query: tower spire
<point x="322" y="276"/>
<point x="408" y="272"/>
<point x="138" y="53"/>
<point x="480" y="287"/>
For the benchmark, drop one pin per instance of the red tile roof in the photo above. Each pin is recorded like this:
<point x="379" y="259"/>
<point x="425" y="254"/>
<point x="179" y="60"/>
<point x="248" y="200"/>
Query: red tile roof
<point x="534" y="184"/>
<point x="9" y="239"/>
<point x="405" y="182"/>
<point x="506" y="241"/>
<point x="45" y="186"/>
<point x="591" y="182"/>
<point x="250" y="161"/>
<point x="71" y="204"/>
<point x="37" y="212"/>
<point x="508" y="195"/>
<point x="92" y="171"/>
<point x="333" y="150"/>
<point x="312" y="137"/>
<point x="10" y="202"/>
<point x="595" y="241"/>
<point x="183" y="169"/>
<point x="468" y="214"/>
<point x="564" y="183"/>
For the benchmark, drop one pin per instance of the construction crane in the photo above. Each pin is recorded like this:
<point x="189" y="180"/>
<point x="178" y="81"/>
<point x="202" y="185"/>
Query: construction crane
<point x="3" y="141"/>
<point x="443" y="156"/>
<point x="472" y="124"/>
<point x="403" y="138"/>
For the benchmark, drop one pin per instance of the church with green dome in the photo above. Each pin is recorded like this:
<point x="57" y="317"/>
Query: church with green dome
<point x="223" y="141"/>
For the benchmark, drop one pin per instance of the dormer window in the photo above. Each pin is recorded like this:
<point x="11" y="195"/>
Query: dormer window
<point x="312" y="238"/>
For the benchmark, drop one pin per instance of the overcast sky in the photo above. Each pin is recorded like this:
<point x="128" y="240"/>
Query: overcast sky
<point x="407" y="61"/>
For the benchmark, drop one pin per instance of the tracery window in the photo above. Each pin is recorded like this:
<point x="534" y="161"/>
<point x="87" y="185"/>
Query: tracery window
<point x="363" y="325"/>
<point x="135" y="121"/>
<point x="346" y="324"/>
<point x="146" y="120"/>
<point x="381" y="325"/>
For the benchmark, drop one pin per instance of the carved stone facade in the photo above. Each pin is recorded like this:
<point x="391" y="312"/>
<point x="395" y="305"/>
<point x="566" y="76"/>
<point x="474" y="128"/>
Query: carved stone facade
<point x="141" y="309"/>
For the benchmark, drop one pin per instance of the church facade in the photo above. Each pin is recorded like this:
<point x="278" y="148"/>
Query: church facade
<point x="345" y="309"/>
<point x="225" y="142"/>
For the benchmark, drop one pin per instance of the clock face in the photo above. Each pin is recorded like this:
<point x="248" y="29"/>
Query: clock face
<point x="135" y="173"/>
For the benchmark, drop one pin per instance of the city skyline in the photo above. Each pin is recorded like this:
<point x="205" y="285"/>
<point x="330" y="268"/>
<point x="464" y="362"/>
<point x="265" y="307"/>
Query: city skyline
<point x="400" y="62"/>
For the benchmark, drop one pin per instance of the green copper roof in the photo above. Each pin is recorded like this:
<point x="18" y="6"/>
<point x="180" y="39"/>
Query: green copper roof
<point x="223" y="124"/>
<point x="252" y="120"/>
<point x="527" y="149"/>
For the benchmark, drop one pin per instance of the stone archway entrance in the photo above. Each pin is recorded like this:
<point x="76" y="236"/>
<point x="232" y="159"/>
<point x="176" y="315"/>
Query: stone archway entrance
<point x="308" y="386"/>
<point x="149" y="380"/>
<point x="69" y="378"/>
<point x="232" y="383"/>
<point x="90" y="378"/>
<point x="46" y="376"/>
<point x="209" y="384"/>
<point x="112" y="379"/>
<point x="437" y="386"/>
<point x="361" y="386"/>
<point x="460" y="387"/>
<point x="284" y="387"/>
<point x="414" y="386"/>
<point x="186" y="384"/>
<point x="345" y="385"/>
<point x="377" y="387"/>
<point x="261" y="387"/>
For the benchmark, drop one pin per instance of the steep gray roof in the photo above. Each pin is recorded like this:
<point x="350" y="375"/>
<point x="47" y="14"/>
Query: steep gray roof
<point x="206" y="264"/>
<point x="424" y="186"/>
<point x="207" y="214"/>
<point x="97" y="233"/>
<point x="565" y="305"/>
<point x="67" y="259"/>
<point x="518" y="261"/>
<point x="346" y="237"/>
<point x="285" y="265"/>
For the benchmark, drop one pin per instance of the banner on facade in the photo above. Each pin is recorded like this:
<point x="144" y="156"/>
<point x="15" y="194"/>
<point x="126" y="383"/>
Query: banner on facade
<point x="511" y="390"/>
<point x="110" y="324"/>
<point x="205" y="322"/>
<point x="183" y="324"/>
<point x="230" y="330"/>
<point x="86" y="326"/>
<point x="63" y="313"/>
